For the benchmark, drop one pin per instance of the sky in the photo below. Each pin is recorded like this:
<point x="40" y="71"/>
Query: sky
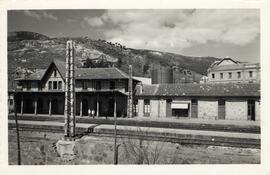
<point x="219" y="33"/>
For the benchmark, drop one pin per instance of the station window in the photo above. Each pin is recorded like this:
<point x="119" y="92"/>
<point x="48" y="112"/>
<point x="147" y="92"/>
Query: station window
<point x="55" y="85"/>
<point x="59" y="85"/>
<point x="112" y="85"/>
<point x="194" y="101"/>
<point x="50" y="85"/>
<point x="146" y="107"/>
<point x="213" y="76"/>
<point x="239" y="74"/>
<point x="10" y="102"/>
<point x="221" y="102"/>
<point x="221" y="75"/>
<point x="84" y="84"/>
<point x="250" y="74"/>
<point x="135" y="107"/>
<point x="28" y="85"/>
<point x="230" y="75"/>
<point x="98" y="85"/>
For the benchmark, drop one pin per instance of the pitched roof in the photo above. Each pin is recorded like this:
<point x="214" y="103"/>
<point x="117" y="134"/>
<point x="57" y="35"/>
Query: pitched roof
<point x="206" y="90"/>
<point x="235" y="66"/>
<point x="82" y="73"/>
<point x="37" y="75"/>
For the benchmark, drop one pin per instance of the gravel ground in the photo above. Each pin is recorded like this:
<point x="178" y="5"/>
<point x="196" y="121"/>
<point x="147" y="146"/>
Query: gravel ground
<point x="35" y="150"/>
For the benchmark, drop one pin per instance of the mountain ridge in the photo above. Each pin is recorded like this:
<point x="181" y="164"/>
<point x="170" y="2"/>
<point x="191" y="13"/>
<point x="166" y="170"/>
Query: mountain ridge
<point x="28" y="51"/>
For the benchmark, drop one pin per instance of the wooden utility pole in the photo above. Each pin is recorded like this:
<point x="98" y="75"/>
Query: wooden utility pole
<point x="70" y="122"/>
<point x="17" y="128"/>
<point x="130" y="94"/>
<point x="115" y="132"/>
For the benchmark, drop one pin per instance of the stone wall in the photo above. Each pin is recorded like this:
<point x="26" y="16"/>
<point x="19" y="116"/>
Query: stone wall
<point x="207" y="109"/>
<point x="236" y="109"/>
<point x="140" y="107"/>
<point x="162" y="108"/>
<point x="154" y="108"/>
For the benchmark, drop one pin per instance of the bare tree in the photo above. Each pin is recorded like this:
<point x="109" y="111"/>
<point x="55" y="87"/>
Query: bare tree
<point x="141" y="150"/>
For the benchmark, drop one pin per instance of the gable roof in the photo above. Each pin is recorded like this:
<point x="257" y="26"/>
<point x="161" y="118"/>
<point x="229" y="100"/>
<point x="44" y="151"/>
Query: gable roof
<point x="227" y="58"/>
<point x="81" y="73"/>
<point x="206" y="90"/>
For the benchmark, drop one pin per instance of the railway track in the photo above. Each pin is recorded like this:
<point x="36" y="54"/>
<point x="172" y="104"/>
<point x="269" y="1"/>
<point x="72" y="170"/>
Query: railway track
<point x="181" y="136"/>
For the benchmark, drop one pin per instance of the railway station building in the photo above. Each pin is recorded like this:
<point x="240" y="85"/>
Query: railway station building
<point x="230" y="101"/>
<point x="97" y="90"/>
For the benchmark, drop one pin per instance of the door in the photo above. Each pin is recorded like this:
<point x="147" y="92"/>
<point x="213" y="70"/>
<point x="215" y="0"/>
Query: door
<point x="251" y="110"/>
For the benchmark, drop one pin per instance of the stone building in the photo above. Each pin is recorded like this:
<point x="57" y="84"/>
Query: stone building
<point x="229" y="101"/>
<point x="229" y="71"/>
<point x="96" y="89"/>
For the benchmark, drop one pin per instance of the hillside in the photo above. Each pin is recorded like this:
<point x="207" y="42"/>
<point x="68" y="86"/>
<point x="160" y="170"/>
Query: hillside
<point x="28" y="51"/>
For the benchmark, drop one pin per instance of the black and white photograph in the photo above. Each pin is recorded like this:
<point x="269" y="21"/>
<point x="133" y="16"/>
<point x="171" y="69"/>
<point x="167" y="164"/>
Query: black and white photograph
<point x="135" y="86"/>
<point x="101" y="86"/>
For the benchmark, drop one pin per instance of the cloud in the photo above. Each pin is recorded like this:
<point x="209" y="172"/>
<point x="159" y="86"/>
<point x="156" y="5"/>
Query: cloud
<point x="49" y="16"/>
<point x="32" y="14"/>
<point x="94" y="21"/>
<point x="40" y="14"/>
<point x="175" y="30"/>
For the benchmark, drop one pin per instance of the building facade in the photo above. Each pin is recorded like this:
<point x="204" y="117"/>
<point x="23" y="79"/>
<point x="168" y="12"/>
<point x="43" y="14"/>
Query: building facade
<point x="97" y="90"/>
<point x="202" y="101"/>
<point x="230" y="71"/>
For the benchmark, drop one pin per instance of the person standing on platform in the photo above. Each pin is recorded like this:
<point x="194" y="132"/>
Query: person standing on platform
<point x="89" y="112"/>
<point x="93" y="113"/>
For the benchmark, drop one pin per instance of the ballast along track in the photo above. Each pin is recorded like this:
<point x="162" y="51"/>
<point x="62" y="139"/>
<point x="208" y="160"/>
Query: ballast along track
<point x="181" y="136"/>
<point x="155" y="124"/>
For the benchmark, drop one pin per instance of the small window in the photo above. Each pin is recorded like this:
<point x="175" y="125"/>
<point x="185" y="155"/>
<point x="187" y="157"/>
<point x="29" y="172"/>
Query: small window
<point x="98" y="85"/>
<point x="59" y="85"/>
<point x="147" y="107"/>
<point x="10" y="102"/>
<point x="194" y="101"/>
<point x="50" y="85"/>
<point x="84" y="85"/>
<point x="250" y="74"/>
<point x="230" y="75"/>
<point x="54" y="73"/>
<point x="135" y="107"/>
<point x="238" y="74"/>
<point x="55" y="85"/>
<point x="213" y="76"/>
<point x="221" y="75"/>
<point x="169" y="100"/>
<point x="221" y="102"/>
<point x="112" y="85"/>
<point x="28" y="85"/>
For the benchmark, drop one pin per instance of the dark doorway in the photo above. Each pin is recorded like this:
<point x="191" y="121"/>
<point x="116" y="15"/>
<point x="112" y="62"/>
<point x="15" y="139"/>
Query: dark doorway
<point x="111" y="107"/>
<point x="221" y="109"/>
<point x="40" y="106"/>
<point x="54" y="106"/>
<point x="85" y="107"/>
<point x="29" y="106"/>
<point x="251" y="110"/>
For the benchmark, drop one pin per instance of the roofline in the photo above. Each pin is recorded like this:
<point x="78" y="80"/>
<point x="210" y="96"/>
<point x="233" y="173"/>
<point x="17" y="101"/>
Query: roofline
<point x="53" y="62"/>
<point x="200" y="96"/>
<point x="227" y="59"/>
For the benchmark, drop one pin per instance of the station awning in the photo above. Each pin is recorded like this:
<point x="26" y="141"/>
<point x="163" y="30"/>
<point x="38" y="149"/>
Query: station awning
<point x="178" y="105"/>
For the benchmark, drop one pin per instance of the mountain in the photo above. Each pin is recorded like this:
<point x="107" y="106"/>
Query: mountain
<point x="29" y="51"/>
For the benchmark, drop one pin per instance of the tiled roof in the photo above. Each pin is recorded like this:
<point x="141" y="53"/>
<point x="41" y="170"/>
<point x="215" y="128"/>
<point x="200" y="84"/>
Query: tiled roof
<point x="100" y="73"/>
<point x="37" y="75"/>
<point x="83" y="73"/>
<point x="207" y="90"/>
